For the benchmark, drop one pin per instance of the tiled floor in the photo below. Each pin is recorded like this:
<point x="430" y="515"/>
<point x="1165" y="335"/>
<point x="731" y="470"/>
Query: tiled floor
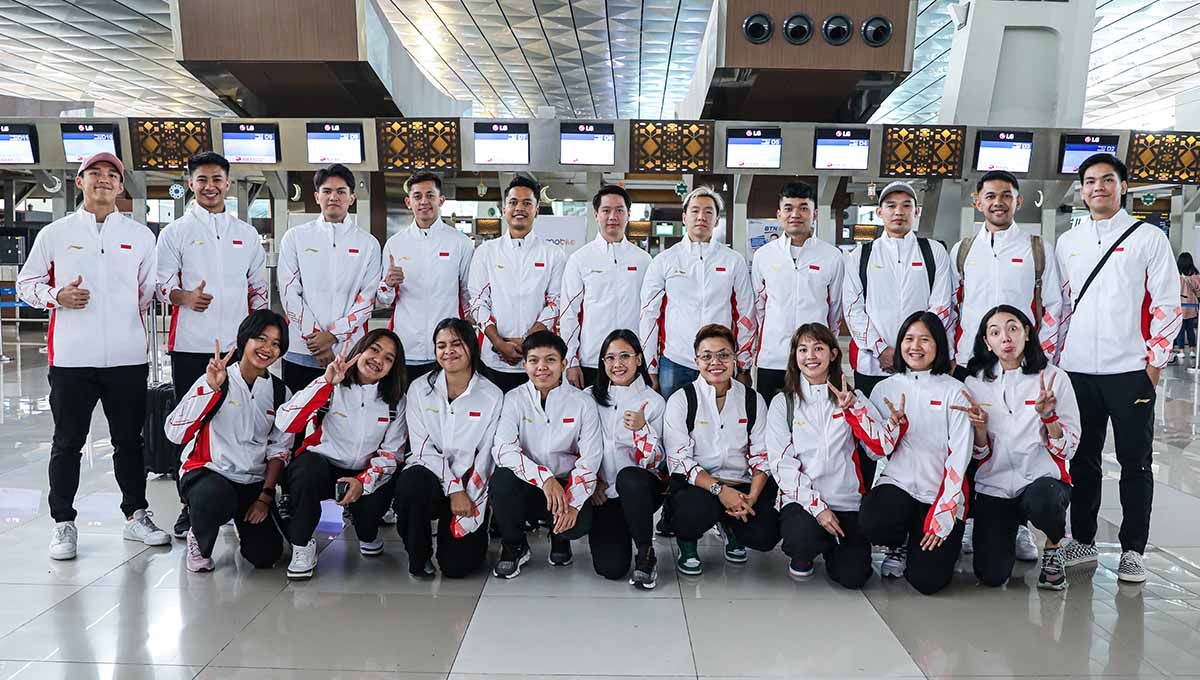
<point x="122" y="610"/>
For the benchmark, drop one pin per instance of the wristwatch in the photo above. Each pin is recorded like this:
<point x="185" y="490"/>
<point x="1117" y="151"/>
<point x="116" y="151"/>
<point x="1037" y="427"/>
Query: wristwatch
<point x="715" y="489"/>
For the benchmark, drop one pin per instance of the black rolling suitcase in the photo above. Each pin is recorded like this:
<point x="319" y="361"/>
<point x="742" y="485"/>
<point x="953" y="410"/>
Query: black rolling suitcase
<point x="161" y="454"/>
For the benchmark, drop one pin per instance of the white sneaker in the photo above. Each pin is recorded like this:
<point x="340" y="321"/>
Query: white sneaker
<point x="1131" y="569"/>
<point x="142" y="529"/>
<point x="389" y="518"/>
<point x="968" y="540"/>
<point x="371" y="548"/>
<point x="894" y="561"/>
<point x="64" y="541"/>
<point x="1027" y="550"/>
<point x="1075" y="553"/>
<point x="196" y="562"/>
<point x="304" y="561"/>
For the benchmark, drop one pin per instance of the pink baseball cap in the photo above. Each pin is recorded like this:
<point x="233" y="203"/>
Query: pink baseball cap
<point x="102" y="157"/>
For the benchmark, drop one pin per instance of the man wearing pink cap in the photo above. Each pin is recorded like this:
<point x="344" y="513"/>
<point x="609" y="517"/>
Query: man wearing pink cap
<point x="94" y="271"/>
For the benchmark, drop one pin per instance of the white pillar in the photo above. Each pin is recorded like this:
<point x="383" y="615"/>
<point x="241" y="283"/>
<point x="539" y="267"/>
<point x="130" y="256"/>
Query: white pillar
<point x="741" y="197"/>
<point x="826" y="226"/>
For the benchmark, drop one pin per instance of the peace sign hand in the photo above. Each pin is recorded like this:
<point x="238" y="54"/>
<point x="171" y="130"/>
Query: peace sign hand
<point x="1046" y="400"/>
<point x="976" y="414"/>
<point x="898" y="416"/>
<point x="335" y="372"/>
<point x="215" y="374"/>
<point x="846" y="396"/>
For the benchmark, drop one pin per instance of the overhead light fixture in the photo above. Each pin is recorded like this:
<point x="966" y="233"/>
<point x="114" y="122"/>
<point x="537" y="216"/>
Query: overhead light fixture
<point x="837" y="29"/>
<point x="798" y="28"/>
<point x="877" y="31"/>
<point x="758" y="28"/>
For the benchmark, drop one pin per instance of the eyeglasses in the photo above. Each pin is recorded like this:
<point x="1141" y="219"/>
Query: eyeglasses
<point x="623" y="357"/>
<point x="709" y="357"/>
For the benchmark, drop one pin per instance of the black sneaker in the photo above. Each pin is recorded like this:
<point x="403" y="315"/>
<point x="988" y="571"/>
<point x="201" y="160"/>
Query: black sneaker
<point x="1054" y="574"/>
<point x="664" y="529"/>
<point x="560" y="552"/>
<point x="183" y="524"/>
<point x="511" y="559"/>
<point x="426" y="571"/>
<point x="645" y="570"/>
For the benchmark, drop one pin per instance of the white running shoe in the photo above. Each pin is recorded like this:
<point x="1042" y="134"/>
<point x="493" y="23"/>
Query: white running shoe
<point x="894" y="561"/>
<point x="304" y="561"/>
<point x="371" y="548"/>
<point x="1075" y="553"/>
<point x="389" y="518"/>
<point x="1027" y="550"/>
<point x="142" y="529"/>
<point x="196" y="562"/>
<point x="968" y="540"/>
<point x="1131" y="569"/>
<point x="63" y="541"/>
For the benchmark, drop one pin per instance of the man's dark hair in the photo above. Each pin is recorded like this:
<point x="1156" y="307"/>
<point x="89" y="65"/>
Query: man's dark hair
<point x="797" y="190"/>
<point x="611" y="190"/>
<point x="336" y="170"/>
<point x="423" y="177"/>
<point x="528" y="183"/>
<point x="542" y="339"/>
<point x="207" y="158"/>
<point x="997" y="176"/>
<point x="1108" y="159"/>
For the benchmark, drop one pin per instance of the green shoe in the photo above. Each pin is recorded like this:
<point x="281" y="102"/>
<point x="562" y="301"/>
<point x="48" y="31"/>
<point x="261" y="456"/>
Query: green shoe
<point x="688" y="563"/>
<point x="734" y="551"/>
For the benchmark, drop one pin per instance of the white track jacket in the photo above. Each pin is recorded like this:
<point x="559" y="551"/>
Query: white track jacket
<point x="789" y="293"/>
<point x="600" y="288"/>
<point x="723" y="445"/>
<point x="623" y="447"/>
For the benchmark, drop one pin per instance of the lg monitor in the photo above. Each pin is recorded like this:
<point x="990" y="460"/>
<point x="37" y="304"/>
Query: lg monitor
<point x="82" y="140"/>
<point x="1074" y="150"/>
<point x="18" y="144"/>
<point x="842" y="149"/>
<point x="587" y="144"/>
<point x="502" y="143"/>
<point x="1009" y="150"/>
<point x="335" y="143"/>
<point x="753" y="148"/>
<point x="256" y="143"/>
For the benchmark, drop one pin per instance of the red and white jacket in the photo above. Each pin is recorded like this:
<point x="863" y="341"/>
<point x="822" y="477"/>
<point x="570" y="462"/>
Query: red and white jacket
<point x="561" y="440"/>
<point x="436" y="263"/>
<point x="328" y="275"/>
<point x="1000" y="270"/>
<point x="600" y="287"/>
<point x="239" y="439"/>
<point x="117" y="266"/>
<point x="720" y="445"/>
<point x="1019" y="449"/>
<point x="453" y="439"/>
<point x="624" y="447"/>
<point x="226" y="254"/>
<point x="514" y="284"/>
<point x="1131" y="313"/>
<point x="791" y="292"/>
<point x="356" y="431"/>
<point x="897" y="286"/>
<point x="687" y="286"/>
<point x="930" y="459"/>
<point x="814" y="459"/>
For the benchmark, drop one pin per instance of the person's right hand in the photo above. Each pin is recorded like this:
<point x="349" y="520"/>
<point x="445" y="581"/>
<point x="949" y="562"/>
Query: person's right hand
<point x="556" y="496"/>
<point x="509" y="351"/>
<point x="198" y="300"/>
<point x="461" y="505"/>
<point x="599" y="496"/>
<point x="335" y="372"/>
<point x="395" y="275"/>
<point x="887" y="360"/>
<point x="976" y="414"/>
<point x="898" y="416"/>
<point x="216" y="373"/>
<point x="829" y="522"/>
<point x="732" y="499"/>
<point x="575" y="377"/>
<point x="635" y="420"/>
<point x="72" y="296"/>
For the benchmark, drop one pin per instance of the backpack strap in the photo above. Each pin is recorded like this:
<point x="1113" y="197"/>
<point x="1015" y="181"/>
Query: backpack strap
<point x="279" y="388"/>
<point x="964" y="249"/>
<point x="791" y="408"/>
<point x="1039" y="268"/>
<point x="751" y="408"/>
<point x="864" y="259"/>
<point x="927" y="256"/>
<point x="689" y="393"/>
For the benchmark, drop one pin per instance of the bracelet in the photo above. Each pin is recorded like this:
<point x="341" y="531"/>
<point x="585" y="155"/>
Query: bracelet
<point x="260" y="500"/>
<point x="1052" y="418"/>
<point x="268" y="491"/>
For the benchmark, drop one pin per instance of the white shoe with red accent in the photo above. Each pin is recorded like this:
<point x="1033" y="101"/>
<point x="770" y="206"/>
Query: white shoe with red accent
<point x="196" y="562"/>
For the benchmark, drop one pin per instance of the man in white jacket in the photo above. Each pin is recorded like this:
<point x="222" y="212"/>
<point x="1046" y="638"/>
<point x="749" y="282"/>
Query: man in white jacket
<point x="597" y="285"/>
<point x="1122" y="310"/>
<point x="94" y="271"/>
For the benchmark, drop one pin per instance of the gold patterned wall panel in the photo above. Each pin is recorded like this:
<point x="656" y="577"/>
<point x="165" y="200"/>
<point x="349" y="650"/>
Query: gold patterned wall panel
<point x="1164" y="157"/>
<point x="167" y="143"/>
<point x="671" y="146"/>
<point x="419" y="144"/>
<point x="923" y="151"/>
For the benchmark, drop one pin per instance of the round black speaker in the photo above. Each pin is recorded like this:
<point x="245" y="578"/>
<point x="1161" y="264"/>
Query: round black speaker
<point x="798" y="29"/>
<point x="877" y="31"/>
<point x="837" y="29"/>
<point x="758" y="28"/>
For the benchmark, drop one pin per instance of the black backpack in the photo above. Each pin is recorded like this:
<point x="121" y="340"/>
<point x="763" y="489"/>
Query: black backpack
<point x="864" y="259"/>
<point x="689" y="391"/>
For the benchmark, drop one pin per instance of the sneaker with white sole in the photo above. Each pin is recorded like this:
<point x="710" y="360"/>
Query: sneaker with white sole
<point x="304" y="561"/>
<point x="645" y="569"/>
<point x="63" y="541"/>
<point x="371" y="548"/>
<point x="1054" y="574"/>
<point x="735" y="552"/>
<point x="800" y="569"/>
<point x="512" y="558"/>
<point x="894" y="561"/>
<point x="968" y="539"/>
<point x="196" y="562"/>
<point x="1075" y="553"/>
<point x="1131" y="568"/>
<point x="1027" y="550"/>
<point x="183" y="524"/>
<point x="142" y="529"/>
<point x="389" y="518"/>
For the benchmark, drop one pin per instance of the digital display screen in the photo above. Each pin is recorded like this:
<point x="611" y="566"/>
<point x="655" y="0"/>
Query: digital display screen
<point x="842" y="149"/>
<point x="18" y="144"/>
<point x="251" y="142"/>
<point x="502" y="143"/>
<point x="335" y="143"/>
<point x="83" y="140"/>
<point x="587" y="144"/>
<point x="1003" y="150"/>
<point x="753" y="147"/>
<point x="1075" y="149"/>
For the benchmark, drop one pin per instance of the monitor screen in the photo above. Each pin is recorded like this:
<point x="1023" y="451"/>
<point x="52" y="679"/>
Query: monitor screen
<point x="753" y="147"/>
<point x="251" y="142"/>
<point x="842" y="149"/>
<point x="82" y="140"/>
<point x="1003" y="150"/>
<point x="18" y="144"/>
<point x="587" y="144"/>
<point x="502" y="143"/>
<point x="335" y="143"/>
<point x="1075" y="149"/>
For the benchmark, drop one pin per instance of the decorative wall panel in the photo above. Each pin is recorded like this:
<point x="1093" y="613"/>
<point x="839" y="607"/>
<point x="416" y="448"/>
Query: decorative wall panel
<point x="1164" y="157"/>
<point x="410" y="144"/>
<point x="671" y="146"/>
<point x="923" y="151"/>
<point x="166" y="143"/>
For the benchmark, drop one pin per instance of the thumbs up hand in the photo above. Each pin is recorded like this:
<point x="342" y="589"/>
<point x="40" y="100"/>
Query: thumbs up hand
<point x="198" y="300"/>
<point x="395" y="275"/>
<point x="73" y="295"/>
<point x="636" y="420"/>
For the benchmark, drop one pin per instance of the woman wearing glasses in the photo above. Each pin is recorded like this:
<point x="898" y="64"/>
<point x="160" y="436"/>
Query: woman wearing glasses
<point x="716" y="451"/>
<point x="629" y="490"/>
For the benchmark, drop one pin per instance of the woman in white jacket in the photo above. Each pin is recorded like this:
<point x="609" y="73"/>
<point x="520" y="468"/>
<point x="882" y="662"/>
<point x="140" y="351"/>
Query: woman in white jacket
<point x="1027" y="426"/>
<point x="812" y="429"/>
<point x="356" y="414"/>
<point x="452" y="414"/>
<point x="629" y="490"/>
<point x="916" y="508"/>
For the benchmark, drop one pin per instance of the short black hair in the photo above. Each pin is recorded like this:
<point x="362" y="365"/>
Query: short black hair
<point x="540" y="339"/>
<point x="207" y="158"/>
<point x="423" y="177"/>
<point x="714" y="330"/>
<point x="941" y="360"/>
<point x="611" y="190"/>
<point x="601" y="384"/>
<point x="797" y="190"/>
<point x="997" y="176"/>
<point x="336" y="170"/>
<point x="253" y="326"/>
<point x="528" y="183"/>
<point x="1106" y="158"/>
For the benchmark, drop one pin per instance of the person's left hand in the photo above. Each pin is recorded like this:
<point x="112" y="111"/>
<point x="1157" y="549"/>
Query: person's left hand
<point x="931" y="541"/>
<point x="846" y="396"/>
<point x="258" y="509"/>
<point x="1046" y="400"/>
<point x="461" y="505"/>
<point x="319" y="342"/>
<point x="565" y="520"/>
<point x="599" y="496"/>
<point x="354" y="493"/>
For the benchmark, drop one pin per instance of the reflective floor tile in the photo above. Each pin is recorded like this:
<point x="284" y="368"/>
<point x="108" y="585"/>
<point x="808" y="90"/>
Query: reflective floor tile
<point x="21" y="603"/>
<point x="163" y="568"/>
<point x="579" y="579"/>
<point x="342" y="569"/>
<point x="763" y="577"/>
<point x="1172" y="521"/>
<point x="27" y="560"/>
<point x="548" y="635"/>
<point x="45" y="670"/>
<point x="218" y="673"/>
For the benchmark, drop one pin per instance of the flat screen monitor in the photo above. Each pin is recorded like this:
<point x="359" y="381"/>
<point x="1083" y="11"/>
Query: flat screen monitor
<point x="256" y="143"/>
<point x="587" y="144"/>
<point x="82" y="140"/>
<point x="753" y="147"/>
<point x="1009" y="150"/>
<point x="502" y="143"/>
<point x="18" y="144"/>
<point x="842" y="148"/>
<point x="1074" y="150"/>
<point x="335" y="143"/>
